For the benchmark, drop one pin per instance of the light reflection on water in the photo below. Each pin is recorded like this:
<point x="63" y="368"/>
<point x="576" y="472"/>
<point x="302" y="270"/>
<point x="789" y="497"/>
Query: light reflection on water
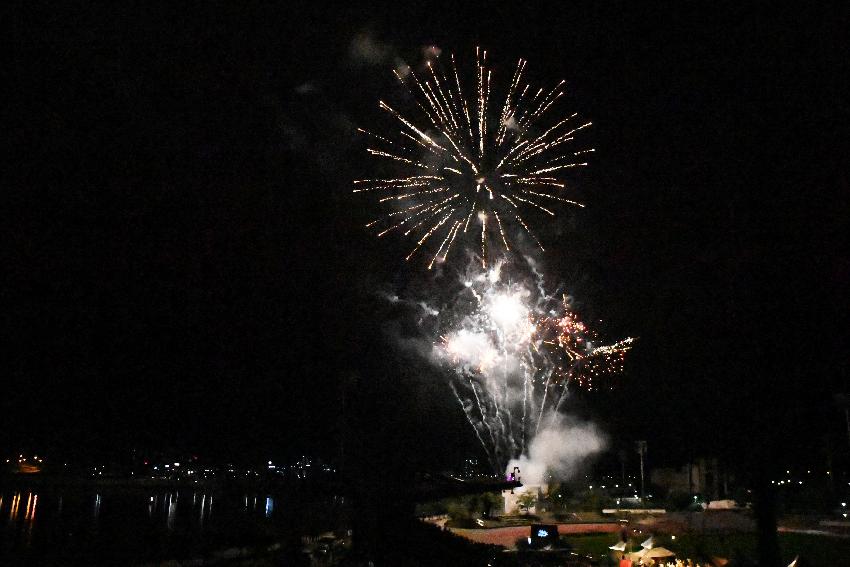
<point x="29" y="517"/>
<point x="82" y="514"/>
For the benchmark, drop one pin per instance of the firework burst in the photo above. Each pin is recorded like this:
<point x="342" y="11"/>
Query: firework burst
<point x="574" y="349"/>
<point x="469" y="167"/>
<point x="515" y="352"/>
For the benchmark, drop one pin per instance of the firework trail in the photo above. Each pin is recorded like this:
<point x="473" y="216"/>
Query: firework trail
<point x="514" y="354"/>
<point x="464" y="160"/>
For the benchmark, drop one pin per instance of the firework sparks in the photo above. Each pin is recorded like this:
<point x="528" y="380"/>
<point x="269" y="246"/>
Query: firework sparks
<point x="458" y="157"/>
<point x="572" y="345"/>
<point x="516" y="352"/>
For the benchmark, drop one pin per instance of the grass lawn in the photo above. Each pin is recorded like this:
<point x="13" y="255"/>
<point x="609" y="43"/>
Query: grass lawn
<point x="819" y="550"/>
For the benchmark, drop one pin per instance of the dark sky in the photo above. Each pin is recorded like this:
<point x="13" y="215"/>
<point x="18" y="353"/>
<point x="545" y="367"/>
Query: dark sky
<point x="183" y="264"/>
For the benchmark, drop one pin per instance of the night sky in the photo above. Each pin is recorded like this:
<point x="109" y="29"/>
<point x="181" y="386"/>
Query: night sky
<point x="184" y="266"/>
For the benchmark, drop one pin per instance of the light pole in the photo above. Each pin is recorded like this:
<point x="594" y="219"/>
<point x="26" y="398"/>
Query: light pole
<point x="641" y="449"/>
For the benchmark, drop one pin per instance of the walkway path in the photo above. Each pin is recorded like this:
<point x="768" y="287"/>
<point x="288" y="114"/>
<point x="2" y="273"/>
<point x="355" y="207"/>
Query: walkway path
<point x="507" y="537"/>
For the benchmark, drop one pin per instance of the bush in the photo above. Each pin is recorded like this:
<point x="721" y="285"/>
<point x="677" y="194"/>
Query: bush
<point x="594" y="501"/>
<point x="678" y="500"/>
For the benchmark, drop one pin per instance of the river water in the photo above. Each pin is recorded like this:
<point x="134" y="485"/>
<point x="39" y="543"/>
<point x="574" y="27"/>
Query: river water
<point x="130" y="525"/>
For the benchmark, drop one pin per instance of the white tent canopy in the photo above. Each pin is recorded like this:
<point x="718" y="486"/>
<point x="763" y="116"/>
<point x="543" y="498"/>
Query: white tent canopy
<point x="654" y="553"/>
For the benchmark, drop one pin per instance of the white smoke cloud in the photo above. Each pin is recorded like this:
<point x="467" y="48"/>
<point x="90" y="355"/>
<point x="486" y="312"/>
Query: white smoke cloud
<point x="558" y="450"/>
<point x="306" y="88"/>
<point x="366" y="50"/>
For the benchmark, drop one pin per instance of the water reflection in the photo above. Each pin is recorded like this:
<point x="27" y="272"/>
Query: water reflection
<point x="69" y="517"/>
<point x="29" y="518"/>
<point x="32" y="502"/>
<point x="172" y="512"/>
<point x="13" y="510"/>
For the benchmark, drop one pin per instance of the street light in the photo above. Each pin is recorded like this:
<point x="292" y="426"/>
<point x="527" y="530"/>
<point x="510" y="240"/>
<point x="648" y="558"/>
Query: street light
<point x="641" y="449"/>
